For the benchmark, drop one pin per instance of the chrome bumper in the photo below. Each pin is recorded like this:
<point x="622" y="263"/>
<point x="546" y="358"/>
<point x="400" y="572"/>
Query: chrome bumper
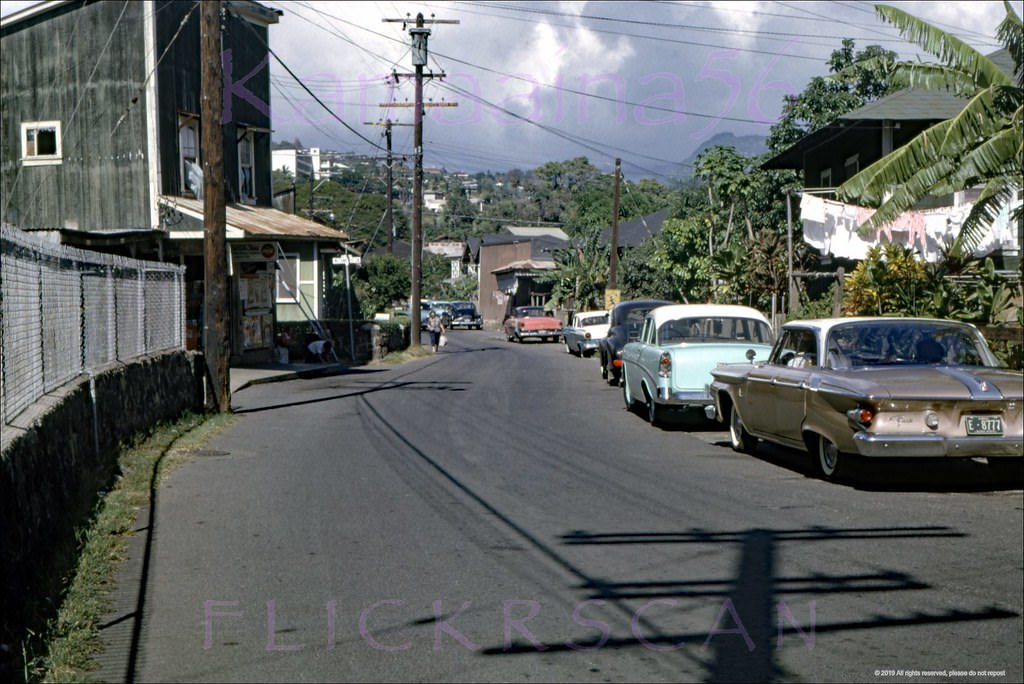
<point x="666" y="396"/>
<point x="898" y="446"/>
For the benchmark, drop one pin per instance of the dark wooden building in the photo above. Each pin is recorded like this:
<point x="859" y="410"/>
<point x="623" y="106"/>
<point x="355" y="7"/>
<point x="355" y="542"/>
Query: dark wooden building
<point x="101" y="127"/>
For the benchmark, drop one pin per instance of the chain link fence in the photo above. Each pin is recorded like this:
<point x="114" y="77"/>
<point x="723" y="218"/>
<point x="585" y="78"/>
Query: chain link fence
<point x="67" y="311"/>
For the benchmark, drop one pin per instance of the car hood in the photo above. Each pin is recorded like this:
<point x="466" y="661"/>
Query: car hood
<point x="927" y="382"/>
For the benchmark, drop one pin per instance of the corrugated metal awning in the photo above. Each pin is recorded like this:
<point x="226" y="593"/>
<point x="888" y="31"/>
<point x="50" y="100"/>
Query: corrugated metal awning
<point x="256" y="221"/>
<point x="526" y="267"/>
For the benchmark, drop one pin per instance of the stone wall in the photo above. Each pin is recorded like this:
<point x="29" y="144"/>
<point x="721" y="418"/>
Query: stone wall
<point x="58" y="455"/>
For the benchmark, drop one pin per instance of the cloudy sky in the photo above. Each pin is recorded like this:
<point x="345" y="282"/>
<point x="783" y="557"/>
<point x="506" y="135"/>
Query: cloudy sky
<point x="646" y="82"/>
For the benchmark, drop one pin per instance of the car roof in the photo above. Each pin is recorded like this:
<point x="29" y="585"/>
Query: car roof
<point x="826" y="324"/>
<point x="673" y="311"/>
<point x="602" y="312"/>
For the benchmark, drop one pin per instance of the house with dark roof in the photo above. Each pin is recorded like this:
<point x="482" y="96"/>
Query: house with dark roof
<point x="833" y="154"/>
<point x="100" y="149"/>
<point x="510" y="266"/>
<point x="632" y="233"/>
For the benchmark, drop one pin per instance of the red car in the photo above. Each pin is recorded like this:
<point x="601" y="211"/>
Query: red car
<point x="532" y="321"/>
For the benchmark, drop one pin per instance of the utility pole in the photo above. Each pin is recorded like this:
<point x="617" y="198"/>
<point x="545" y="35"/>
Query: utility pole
<point x="389" y="217"/>
<point x="216" y="341"/>
<point x="612" y="291"/>
<point x="419" y="34"/>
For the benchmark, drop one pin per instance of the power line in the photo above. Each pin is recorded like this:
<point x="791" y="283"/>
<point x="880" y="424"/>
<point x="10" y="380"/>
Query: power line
<point x="306" y="88"/>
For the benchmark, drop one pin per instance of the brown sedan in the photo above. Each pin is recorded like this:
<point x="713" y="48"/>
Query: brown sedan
<point x="876" y="387"/>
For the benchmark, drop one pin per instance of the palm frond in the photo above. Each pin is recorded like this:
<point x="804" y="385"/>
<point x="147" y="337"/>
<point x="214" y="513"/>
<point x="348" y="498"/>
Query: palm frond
<point x="946" y="47"/>
<point x="1011" y="34"/>
<point x="995" y="195"/>
<point x="978" y="120"/>
<point x="934" y="77"/>
<point x="997" y="157"/>
<point x="908" y="194"/>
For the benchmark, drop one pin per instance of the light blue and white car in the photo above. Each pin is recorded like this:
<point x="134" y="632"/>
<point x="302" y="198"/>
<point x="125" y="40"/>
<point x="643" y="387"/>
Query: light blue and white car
<point x="586" y="332"/>
<point x="669" y="367"/>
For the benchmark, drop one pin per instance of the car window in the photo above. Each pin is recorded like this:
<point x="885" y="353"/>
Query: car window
<point x="903" y="343"/>
<point x="647" y="334"/>
<point x="797" y="348"/>
<point x="714" y="329"/>
<point x="594" y="320"/>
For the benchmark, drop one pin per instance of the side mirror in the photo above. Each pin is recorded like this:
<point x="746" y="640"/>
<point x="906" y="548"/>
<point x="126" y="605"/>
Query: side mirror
<point x="751" y="354"/>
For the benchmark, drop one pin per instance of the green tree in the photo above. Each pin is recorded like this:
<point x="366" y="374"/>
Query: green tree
<point x="889" y="281"/>
<point x="681" y="259"/>
<point x="580" y="274"/>
<point x="436" y="271"/>
<point x="980" y="146"/>
<point x="383" y="281"/>
<point x="855" y="80"/>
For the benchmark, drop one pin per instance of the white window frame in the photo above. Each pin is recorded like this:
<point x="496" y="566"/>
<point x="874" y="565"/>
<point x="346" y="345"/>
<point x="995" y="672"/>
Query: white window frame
<point x="854" y="161"/>
<point x="288" y="271"/>
<point x="189" y="122"/>
<point x="246" y="142"/>
<point x="32" y="158"/>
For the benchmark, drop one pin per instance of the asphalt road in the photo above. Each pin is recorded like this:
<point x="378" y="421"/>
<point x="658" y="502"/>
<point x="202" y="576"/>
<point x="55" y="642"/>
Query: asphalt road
<point x="493" y="513"/>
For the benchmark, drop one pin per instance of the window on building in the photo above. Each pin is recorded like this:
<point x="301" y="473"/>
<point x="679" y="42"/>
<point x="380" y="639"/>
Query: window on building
<point x="852" y="166"/>
<point x="287" y="277"/>
<point x="825" y="179"/>
<point x="188" y="155"/>
<point x="41" y="143"/>
<point x="246" y="187"/>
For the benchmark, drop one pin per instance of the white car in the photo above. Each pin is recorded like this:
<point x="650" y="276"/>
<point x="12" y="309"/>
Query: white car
<point x="586" y="332"/>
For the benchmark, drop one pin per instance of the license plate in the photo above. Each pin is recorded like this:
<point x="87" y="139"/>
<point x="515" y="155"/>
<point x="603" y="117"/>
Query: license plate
<point x="984" y="425"/>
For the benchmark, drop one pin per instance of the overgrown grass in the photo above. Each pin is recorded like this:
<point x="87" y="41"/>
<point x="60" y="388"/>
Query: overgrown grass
<point x="72" y="639"/>
<point x="400" y="357"/>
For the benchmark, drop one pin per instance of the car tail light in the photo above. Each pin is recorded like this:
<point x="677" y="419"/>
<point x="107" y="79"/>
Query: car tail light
<point x="665" y="365"/>
<point x="861" y="416"/>
<point x="586" y="336"/>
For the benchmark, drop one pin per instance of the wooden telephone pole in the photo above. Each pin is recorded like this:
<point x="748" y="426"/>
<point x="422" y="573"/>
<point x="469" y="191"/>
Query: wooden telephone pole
<point x="612" y="291"/>
<point x="216" y="341"/>
<point x="419" y="34"/>
<point x="389" y="217"/>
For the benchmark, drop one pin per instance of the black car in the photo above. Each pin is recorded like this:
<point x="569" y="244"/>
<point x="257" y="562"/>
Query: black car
<point x="465" y="315"/>
<point x="624" y="325"/>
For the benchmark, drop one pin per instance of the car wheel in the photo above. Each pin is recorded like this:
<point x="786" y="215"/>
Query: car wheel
<point x="828" y="458"/>
<point x="654" y="412"/>
<point x="627" y="397"/>
<point x="604" y="369"/>
<point x="740" y="439"/>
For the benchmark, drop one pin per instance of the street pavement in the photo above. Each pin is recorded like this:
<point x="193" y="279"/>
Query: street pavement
<point x="493" y="513"/>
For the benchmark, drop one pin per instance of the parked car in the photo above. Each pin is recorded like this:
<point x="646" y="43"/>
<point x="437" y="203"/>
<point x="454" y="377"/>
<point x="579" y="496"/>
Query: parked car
<point x="465" y="315"/>
<point x="877" y="388"/>
<point x="668" y="368"/>
<point x="584" y="335"/>
<point x="424" y="314"/>
<point x="443" y="309"/>
<point x="624" y="322"/>
<point x="532" y="322"/>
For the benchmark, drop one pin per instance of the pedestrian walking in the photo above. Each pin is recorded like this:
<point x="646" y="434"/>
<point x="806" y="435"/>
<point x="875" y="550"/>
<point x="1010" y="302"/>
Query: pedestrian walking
<point x="436" y="328"/>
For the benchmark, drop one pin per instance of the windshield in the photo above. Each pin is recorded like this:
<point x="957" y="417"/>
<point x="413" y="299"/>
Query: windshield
<point x="904" y="343"/>
<point x="530" y="311"/>
<point x="714" y="329"/>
